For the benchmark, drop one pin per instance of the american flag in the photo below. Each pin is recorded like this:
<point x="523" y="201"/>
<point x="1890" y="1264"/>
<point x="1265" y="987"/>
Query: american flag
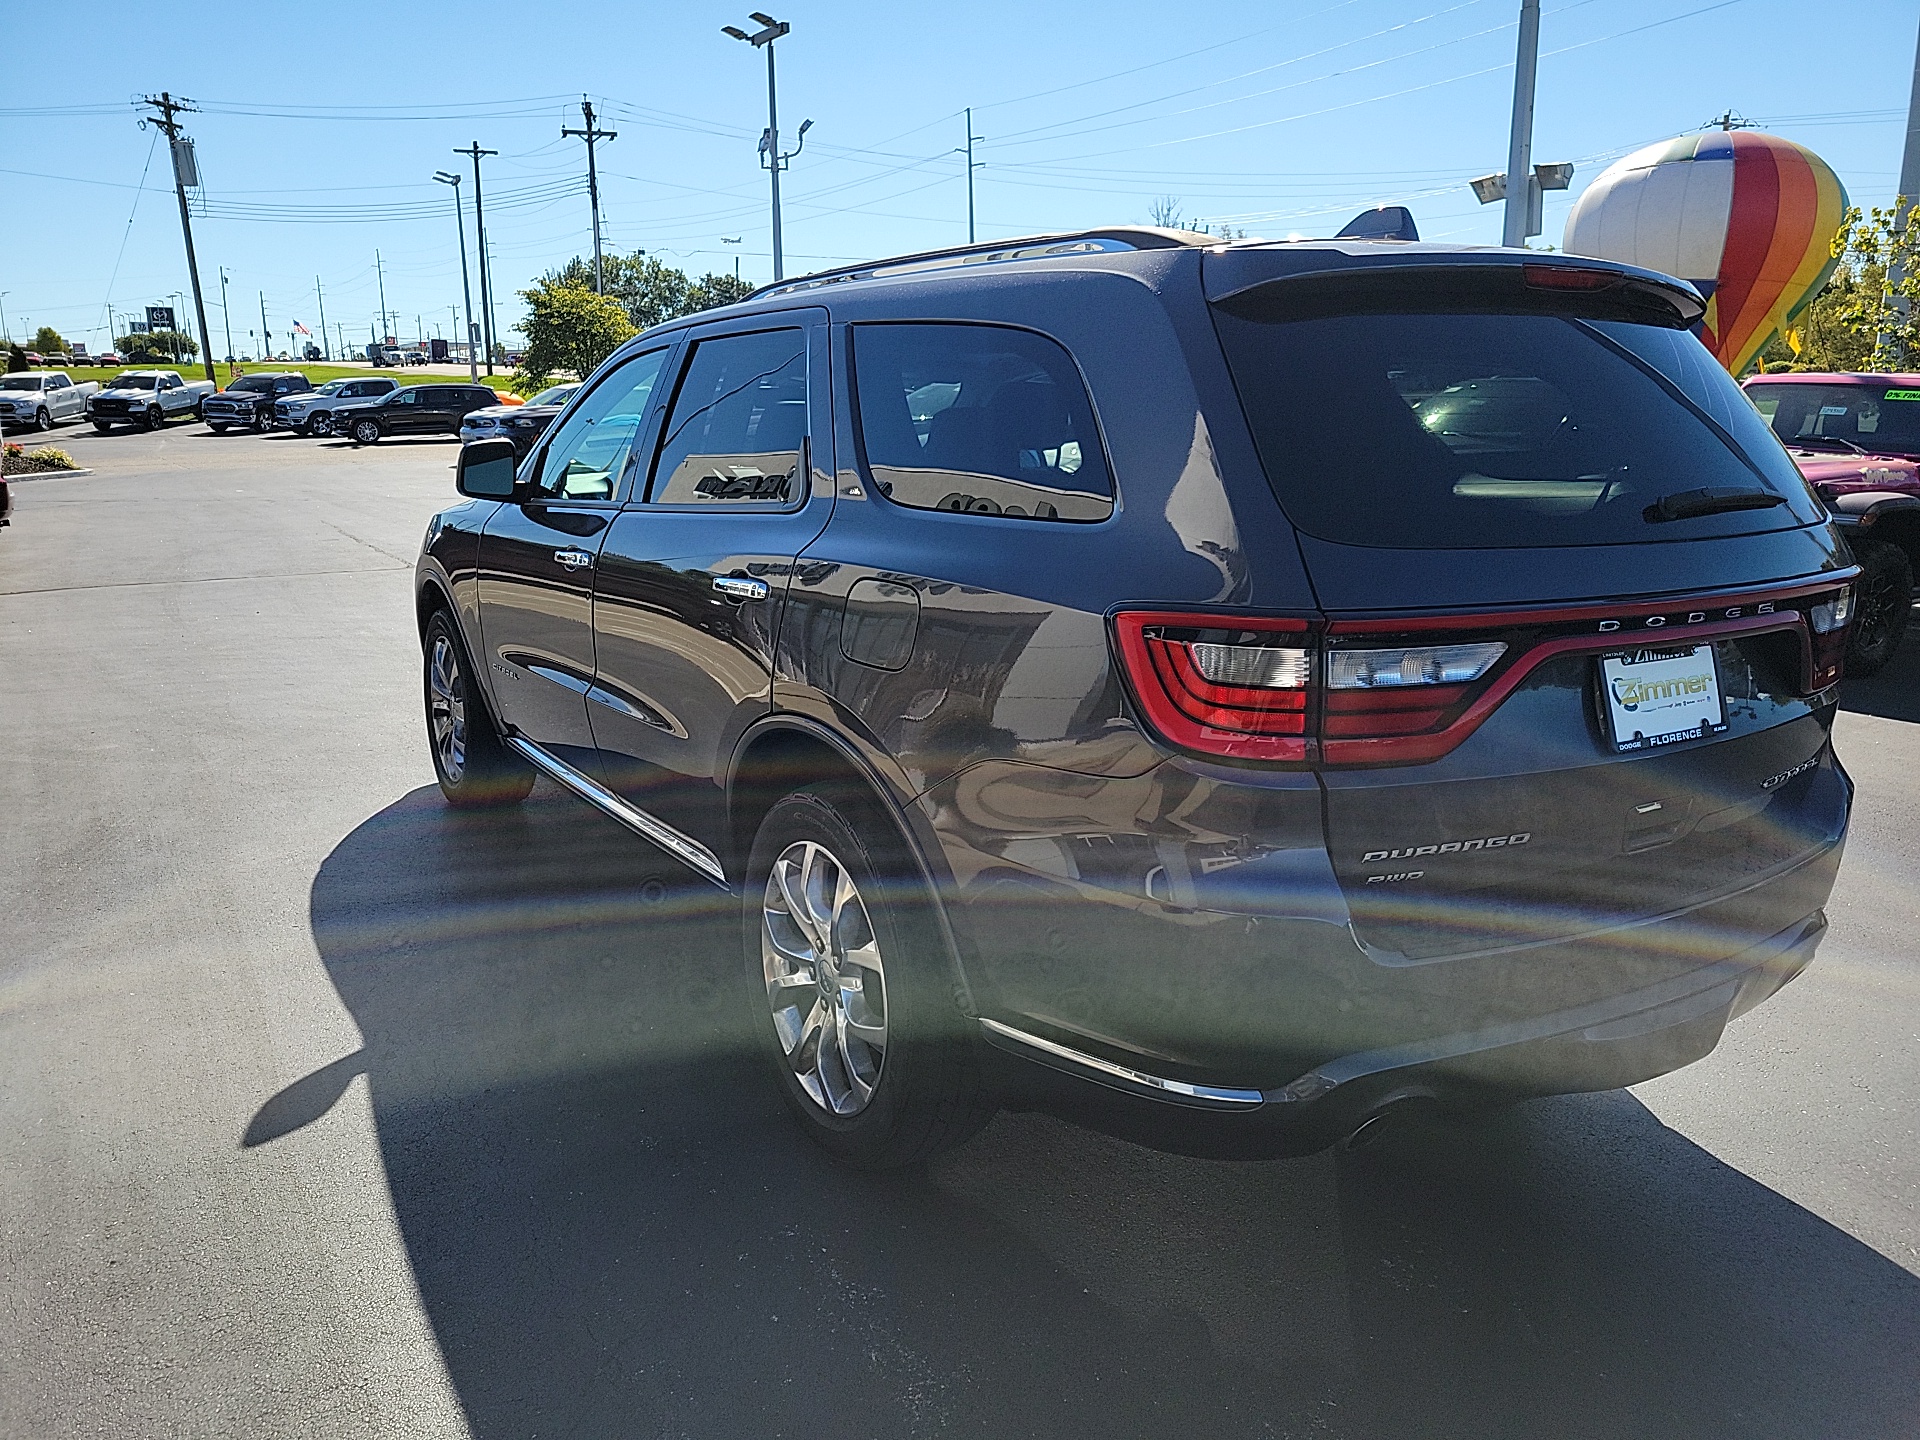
<point x="301" y="328"/>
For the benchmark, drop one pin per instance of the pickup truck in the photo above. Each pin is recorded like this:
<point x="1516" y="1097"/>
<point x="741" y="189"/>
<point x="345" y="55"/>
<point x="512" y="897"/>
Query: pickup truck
<point x="147" y="398"/>
<point x="42" y="398"/>
<point x="249" y="400"/>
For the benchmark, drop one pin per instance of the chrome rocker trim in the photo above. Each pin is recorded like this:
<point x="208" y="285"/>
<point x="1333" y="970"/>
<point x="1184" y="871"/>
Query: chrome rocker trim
<point x="1105" y="1072"/>
<point x="682" y="847"/>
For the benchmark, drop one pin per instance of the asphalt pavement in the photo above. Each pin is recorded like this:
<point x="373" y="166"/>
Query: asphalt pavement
<point x="325" y="1111"/>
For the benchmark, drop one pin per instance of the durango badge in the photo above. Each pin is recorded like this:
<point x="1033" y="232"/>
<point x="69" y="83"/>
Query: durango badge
<point x="1452" y="847"/>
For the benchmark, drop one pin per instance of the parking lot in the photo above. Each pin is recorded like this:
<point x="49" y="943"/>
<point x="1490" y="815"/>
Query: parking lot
<point x="330" y="1111"/>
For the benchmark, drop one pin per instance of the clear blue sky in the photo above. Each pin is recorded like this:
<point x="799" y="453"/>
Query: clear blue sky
<point x="323" y="125"/>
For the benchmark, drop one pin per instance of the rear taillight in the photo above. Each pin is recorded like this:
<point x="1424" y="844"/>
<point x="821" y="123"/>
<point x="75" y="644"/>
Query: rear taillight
<point x="1401" y="691"/>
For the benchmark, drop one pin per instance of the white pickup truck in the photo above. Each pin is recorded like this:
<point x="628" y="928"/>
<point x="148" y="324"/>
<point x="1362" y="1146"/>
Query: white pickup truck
<point x="41" y="399"/>
<point x="146" y="398"/>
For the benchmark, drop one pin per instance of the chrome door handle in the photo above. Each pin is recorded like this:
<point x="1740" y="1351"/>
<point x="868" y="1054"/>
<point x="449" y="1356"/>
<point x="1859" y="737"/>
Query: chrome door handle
<point x="741" y="587"/>
<point x="573" y="559"/>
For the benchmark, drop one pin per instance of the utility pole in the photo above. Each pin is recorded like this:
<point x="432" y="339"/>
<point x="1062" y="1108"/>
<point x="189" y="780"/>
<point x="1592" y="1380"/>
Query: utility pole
<point x="972" y="165"/>
<point x="185" y="171"/>
<point x="266" y="340"/>
<point x="771" y="160"/>
<point x="1520" y="144"/>
<point x="474" y="152"/>
<point x="381" y="275"/>
<point x="593" y="180"/>
<point x="1910" y="155"/>
<point x="321" y="301"/>
<point x="226" y="319"/>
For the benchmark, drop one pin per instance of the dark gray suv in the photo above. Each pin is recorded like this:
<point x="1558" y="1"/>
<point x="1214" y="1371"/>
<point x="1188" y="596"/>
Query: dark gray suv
<point x="1255" y="685"/>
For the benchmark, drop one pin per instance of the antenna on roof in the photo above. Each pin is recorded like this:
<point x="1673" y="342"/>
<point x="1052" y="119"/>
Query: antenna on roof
<point x="1383" y="222"/>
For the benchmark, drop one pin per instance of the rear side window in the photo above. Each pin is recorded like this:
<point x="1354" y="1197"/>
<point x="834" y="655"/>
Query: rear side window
<point x="737" y="426"/>
<point x="980" y="419"/>
<point x="1473" y="431"/>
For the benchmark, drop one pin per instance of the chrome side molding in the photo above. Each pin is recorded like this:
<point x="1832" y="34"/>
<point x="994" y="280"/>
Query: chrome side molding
<point x="1119" y="1077"/>
<point x="682" y="847"/>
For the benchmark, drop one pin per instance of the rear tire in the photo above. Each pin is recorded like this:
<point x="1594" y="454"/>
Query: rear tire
<point x="851" y="985"/>
<point x="366" y="432"/>
<point x="1883" y="603"/>
<point x="475" y="769"/>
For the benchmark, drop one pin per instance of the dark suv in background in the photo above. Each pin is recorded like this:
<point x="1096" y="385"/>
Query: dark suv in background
<point x="411" y="410"/>
<point x="1259" y="685"/>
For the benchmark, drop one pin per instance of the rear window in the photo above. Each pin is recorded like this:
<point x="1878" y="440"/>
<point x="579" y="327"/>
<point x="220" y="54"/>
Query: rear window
<point x="1880" y="418"/>
<point x="1471" y="430"/>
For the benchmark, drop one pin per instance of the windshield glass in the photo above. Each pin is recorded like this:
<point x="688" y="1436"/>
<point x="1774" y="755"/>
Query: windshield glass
<point x="1472" y="430"/>
<point x="20" y="382"/>
<point x="555" y="395"/>
<point x="1878" y="417"/>
<point x="131" y="382"/>
<point x="252" y="382"/>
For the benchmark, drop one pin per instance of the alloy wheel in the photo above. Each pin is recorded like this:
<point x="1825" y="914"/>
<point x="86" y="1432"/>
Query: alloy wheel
<point x="366" y="431"/>
<point x="320" y="425"/>
<point x="825" y="981"/>
<point x="43" y="421"/>
<point x="447" y="708"/>
<point x="1876" y="604"/>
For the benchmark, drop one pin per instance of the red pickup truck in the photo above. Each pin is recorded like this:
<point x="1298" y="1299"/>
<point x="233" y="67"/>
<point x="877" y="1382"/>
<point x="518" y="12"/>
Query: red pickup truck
<point x="1857" y="440"/>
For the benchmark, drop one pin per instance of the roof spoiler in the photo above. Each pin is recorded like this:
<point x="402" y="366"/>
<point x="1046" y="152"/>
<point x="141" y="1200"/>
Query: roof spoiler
<point x="1383" y="222"/>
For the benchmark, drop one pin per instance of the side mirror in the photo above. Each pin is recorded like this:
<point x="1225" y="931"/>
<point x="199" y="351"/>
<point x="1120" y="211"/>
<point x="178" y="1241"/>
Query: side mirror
<point x="485" y="470"/>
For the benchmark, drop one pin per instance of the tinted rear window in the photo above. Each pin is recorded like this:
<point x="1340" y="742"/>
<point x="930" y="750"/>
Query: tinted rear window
<point x="1475" y="430"/>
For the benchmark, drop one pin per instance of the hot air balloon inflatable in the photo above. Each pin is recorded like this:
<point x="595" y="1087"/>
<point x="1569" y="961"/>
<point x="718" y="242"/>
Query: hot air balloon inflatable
<point x="1748" y="218"/>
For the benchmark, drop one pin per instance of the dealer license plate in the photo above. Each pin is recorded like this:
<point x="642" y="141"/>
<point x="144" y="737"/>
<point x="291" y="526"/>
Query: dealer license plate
<point x="1661" y="697"/>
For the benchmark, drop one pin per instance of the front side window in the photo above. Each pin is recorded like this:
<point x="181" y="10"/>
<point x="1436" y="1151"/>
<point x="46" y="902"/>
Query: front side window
<point x="980" y="419"/>
<point x="404" y="397"/>
<point x="738" y="422"/>
<point x="588" y="451"/>
<point x="1476" y="430"/>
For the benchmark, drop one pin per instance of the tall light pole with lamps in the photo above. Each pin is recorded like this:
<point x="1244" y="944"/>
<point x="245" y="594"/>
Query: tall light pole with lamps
<point x="771" y="159"/>
<point x="448" y="177"/>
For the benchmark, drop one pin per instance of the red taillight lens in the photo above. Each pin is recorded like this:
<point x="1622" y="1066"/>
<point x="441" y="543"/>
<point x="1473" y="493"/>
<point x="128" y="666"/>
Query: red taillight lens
<point x="1568" y="277"/>
<point x="1221" y="685"/>
<point x="1832" y="623"/>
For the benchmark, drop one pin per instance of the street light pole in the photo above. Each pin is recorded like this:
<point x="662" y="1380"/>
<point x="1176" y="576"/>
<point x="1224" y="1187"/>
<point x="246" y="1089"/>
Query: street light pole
<point x="446" y="177"/>
<point x="480" y="242"/>
<point x="226" y="318"/>
<point x="770" y="156"/>
<point x="1520" y="143"/>
<point x="266" y="340"/>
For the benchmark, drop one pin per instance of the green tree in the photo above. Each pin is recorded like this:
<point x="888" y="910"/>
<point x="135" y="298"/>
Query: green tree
<point x="711" y="290"/>
<point x="1881" y="250"/>
<point x="150" y="346"/>
<point x="649" y="290"/>
<point x="569" y="330"/>
<point x="47" y="341"/>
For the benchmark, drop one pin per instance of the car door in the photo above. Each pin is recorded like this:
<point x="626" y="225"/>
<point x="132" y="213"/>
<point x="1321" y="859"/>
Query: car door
<point x="691" y="579"/>
<point x="400" y="411"/>
<point x="537" y="559"/>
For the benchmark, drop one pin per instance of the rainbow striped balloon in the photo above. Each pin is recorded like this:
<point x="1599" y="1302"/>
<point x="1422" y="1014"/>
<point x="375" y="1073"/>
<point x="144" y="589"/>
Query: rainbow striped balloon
<point x="1748" y="218"/>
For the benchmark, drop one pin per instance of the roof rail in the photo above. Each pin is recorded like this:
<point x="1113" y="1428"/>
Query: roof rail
<point x="1106" y="239"/>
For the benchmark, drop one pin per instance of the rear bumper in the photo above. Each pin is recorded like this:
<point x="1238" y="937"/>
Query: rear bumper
<point x="1599" y="1046"/>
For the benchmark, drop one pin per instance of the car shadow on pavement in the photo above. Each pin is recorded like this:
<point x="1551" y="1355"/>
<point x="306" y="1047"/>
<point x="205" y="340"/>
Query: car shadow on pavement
<point x="616" y="1230"/>
<point x="1894" y="692"/>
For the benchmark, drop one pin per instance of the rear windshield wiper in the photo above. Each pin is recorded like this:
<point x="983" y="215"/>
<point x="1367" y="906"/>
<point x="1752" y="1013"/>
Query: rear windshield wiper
<point x="1712" y="500"/>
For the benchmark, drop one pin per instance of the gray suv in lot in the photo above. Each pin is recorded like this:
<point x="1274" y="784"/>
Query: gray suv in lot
<point x="1230" y="691"/>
